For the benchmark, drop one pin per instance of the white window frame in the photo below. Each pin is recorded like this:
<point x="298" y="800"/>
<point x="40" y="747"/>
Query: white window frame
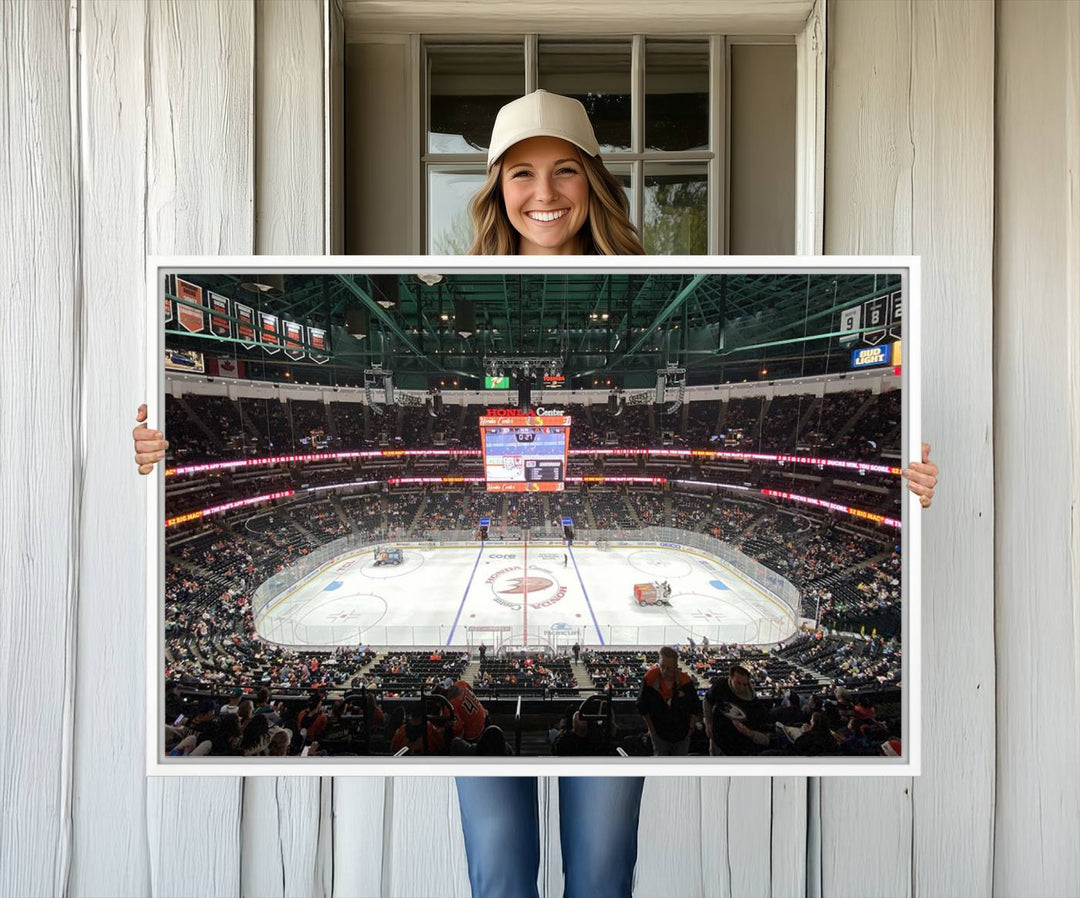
<point x="809" y="127"/>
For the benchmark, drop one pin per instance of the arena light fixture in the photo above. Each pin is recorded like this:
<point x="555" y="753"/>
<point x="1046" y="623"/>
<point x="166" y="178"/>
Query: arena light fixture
<point x="273" y="284"/>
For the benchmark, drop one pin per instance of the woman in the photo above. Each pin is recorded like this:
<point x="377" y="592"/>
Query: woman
<point x="547" y="193"/>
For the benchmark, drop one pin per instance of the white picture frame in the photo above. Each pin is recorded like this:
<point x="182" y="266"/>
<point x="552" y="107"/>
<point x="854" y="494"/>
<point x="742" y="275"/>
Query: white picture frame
<point x="909" y="764"/>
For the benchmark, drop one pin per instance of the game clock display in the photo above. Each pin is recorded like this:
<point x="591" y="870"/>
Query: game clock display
<point x="524" y="453"/>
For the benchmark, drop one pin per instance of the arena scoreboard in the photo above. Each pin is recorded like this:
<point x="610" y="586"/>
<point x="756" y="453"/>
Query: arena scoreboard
<point x="524" y="453"/>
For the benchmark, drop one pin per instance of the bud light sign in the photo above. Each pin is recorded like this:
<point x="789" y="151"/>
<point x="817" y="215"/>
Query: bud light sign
<point x="868" y="356"/>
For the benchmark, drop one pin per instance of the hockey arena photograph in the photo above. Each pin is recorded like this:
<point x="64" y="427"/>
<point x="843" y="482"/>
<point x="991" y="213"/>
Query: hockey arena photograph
<point x="497" y="517"/>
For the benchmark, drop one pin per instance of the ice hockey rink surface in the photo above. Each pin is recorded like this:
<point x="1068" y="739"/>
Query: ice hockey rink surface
<point x="531" y="594"/>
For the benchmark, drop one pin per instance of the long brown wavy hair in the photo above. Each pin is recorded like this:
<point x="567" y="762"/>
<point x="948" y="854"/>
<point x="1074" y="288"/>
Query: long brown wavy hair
<point x="607" y="231"/>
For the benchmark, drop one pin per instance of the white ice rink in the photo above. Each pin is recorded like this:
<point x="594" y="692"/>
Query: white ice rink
<point x="438" y="592"/>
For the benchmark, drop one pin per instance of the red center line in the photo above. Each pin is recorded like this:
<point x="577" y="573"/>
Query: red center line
<point x="525" y="600"/>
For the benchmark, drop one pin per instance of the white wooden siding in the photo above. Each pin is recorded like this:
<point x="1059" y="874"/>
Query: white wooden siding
<point x="1037" y="453"/>
<point x="909" y="150"/>
<point x="179" y="127"/>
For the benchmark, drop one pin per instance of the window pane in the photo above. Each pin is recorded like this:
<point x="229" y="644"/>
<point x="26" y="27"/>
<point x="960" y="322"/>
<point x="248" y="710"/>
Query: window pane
<point x="597" y="74"/>
<point x="467" y="84"/>
<point x="676" y="95"/>
<point x="676" y="208"/>
<point x="449" y="192"/>
<point x="624" y="176"/>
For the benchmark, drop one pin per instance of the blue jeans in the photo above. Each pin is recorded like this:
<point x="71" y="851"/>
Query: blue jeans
<point x="598" y="823"/>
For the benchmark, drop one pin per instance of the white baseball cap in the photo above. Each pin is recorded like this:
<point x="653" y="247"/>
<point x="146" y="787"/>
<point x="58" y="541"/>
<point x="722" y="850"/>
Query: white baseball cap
<point x="541" y="114"/>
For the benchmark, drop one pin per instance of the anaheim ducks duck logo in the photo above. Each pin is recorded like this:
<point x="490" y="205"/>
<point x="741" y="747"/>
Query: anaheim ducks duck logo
<point x="525" y="585"/>
<point x="511" y="583"/>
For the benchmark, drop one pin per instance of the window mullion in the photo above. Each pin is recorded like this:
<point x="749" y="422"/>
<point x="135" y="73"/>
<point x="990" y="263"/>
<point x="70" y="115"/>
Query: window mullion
<point x="718" y="137"/>
<point x="532" y="63"/>
<point x="637" y="129"/>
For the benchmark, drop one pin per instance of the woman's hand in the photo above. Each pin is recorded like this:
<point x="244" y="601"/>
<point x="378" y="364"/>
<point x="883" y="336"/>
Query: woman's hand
<point x="150" y="445"/>
<point x="922" y="477"/>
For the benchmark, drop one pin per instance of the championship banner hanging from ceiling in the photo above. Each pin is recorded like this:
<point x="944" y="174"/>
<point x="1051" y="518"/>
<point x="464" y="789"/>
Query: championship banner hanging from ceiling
<point x="294" y="339"/>
<point x="850" y="322"/>
<point x="170" y="287"/>
<point x="245" y="325"/>
<point x="220" y="326"/>
<point x="268" y="332"/>
<point x="896" y="316"/>
<point x="875" y="319"/>
<point x="317" y="342"/>
<point x="191" y="319"/>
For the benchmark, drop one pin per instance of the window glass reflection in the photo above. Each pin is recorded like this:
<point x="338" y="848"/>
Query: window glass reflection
<point x="467" y="85"/>
<point x="597" y="74"/>
<point x="676" y="208"/>
<point x="676" y="95"/>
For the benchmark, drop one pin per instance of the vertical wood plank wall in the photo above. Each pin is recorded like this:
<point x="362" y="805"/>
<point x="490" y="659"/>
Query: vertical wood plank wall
<point x="40" y="490"/>
<point x="178" y="127"/>
<point x="200" y="197"/>
<point x="284" y="848"/>
<point x="909" y="169"/>
<point x="1036" y="366"/>
<point x="108" y="819"/>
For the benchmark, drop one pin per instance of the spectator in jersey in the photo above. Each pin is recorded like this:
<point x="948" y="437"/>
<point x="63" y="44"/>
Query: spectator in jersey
<point x="411" y="734"/>
<point x="263" y="706"/>
<point x="669" y="704"/>
<point x="470" y="718"/>
<point x="256" y="738"/>
<point x="734" y="716"/>
<point x="313" y="718"/>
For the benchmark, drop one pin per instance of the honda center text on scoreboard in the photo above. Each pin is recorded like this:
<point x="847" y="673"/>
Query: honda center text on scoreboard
<point x="524" y="453"/>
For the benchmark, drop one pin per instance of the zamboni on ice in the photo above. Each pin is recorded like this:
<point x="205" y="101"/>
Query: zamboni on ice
<point x="656" y="593"/>
<point x="385" y="555"/>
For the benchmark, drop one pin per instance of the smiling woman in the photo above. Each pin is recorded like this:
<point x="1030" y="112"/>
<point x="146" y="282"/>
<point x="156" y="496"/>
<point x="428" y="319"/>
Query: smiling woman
<point x="546" y="195"/>
<point x="547" y="191"/>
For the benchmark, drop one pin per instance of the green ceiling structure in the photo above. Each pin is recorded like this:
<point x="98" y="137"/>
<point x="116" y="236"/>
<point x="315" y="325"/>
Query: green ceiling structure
<point x="721" y="327"/>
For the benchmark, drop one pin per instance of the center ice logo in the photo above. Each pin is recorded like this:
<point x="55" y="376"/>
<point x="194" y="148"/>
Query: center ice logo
<point x="511" y="583"/>
<point x="525" y="585"/>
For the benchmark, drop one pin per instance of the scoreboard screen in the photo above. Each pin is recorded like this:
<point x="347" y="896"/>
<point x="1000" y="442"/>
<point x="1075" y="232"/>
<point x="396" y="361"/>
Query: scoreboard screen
<point x="525" y="453"/>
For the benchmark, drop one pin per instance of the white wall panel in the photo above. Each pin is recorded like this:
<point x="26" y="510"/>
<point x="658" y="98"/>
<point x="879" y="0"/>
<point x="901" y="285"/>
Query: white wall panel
<point x="953" y="230"/>
<point x="289" y="132"/>
<point x="281" y="817"/>
<point x="735" y="821"/>
<point x="111" y="859"/>
<point x="199" y="199"/>
<point x="909" y="170"/>
<point x="1037" y="365"/>
<point x="360" y="808"/>
<point x="201" y="186"/>
<point x="41" y="450"/>
<point x="280" y="837"/>
<point x="669" y="838"/>
<point x="789" y="836"/>
<point x="424" y="848"/>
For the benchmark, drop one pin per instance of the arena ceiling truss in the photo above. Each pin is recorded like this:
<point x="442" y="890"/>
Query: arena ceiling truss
<point x="622" y="325"/>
